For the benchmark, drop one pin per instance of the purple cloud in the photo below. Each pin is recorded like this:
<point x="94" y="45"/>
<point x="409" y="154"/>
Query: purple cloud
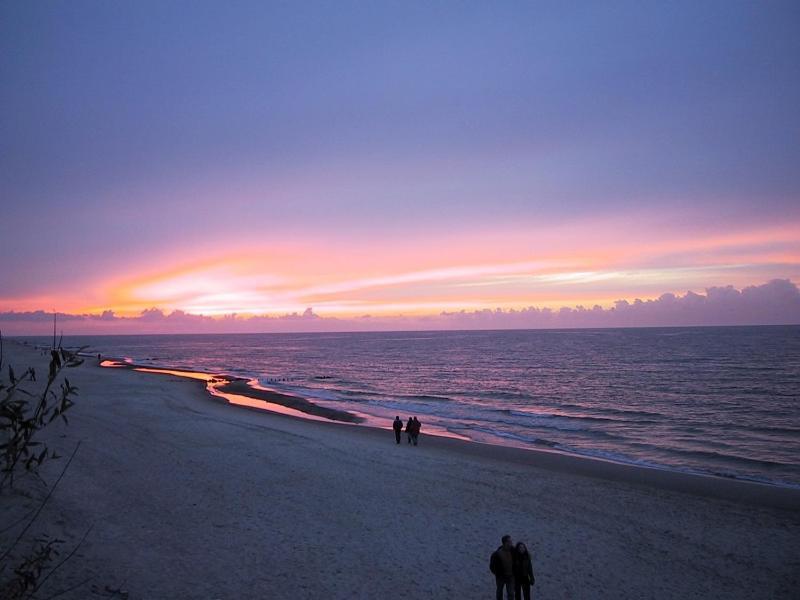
<point x="774" y="303"/>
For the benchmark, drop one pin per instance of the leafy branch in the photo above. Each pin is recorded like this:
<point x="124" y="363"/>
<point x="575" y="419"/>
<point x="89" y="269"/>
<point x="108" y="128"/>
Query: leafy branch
<point x="24" y="414"/>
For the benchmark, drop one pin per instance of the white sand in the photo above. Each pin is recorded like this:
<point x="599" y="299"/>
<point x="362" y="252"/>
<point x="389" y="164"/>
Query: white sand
<point x="190" y="498"/>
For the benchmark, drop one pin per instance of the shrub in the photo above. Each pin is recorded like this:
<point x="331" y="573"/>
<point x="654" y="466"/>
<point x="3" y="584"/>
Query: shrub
<point x="24" y="414"/>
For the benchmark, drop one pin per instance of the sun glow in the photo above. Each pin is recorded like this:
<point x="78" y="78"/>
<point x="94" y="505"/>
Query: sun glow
<point x="262" y="281"/>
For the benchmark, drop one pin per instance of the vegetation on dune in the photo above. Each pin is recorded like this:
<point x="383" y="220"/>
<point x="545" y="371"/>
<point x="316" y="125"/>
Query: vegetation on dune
<point x="24" y="415"/>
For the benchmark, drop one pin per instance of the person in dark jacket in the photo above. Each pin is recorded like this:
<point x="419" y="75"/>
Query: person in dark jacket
<point x="501" y="564"/>
<point x="410" y="429"/>
<point x="415" y="431"/>
<point x="523" y="572"/>
<point x="398" y="428"/>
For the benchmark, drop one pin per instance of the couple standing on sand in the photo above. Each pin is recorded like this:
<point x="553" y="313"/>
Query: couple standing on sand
<point x="412" y="429"/>
<point x="512" y="570"/>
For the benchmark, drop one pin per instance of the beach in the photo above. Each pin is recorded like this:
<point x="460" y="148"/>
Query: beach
<point x="188" y="497"/>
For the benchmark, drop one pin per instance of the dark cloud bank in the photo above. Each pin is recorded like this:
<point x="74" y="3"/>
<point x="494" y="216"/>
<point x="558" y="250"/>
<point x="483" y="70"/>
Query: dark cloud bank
<point x="773" y="303"/>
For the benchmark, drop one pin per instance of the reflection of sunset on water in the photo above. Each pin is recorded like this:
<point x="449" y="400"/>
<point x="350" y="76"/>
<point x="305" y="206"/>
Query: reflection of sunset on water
<point x="214" y="383"/>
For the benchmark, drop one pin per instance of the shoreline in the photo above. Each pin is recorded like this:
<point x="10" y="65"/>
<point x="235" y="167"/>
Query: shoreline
<point x="174" y="495"/>
<point x="241" y="393"/>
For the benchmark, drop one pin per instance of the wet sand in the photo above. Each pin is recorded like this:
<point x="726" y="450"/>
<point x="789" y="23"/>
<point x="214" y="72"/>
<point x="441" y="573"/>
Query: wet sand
<point x="191" y="498"/>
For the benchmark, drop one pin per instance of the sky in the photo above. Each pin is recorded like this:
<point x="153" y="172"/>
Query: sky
<point x="389" y="164"/>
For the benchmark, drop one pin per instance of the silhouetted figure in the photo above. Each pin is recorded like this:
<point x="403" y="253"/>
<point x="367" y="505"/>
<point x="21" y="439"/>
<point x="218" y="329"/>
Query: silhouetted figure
<point x="416" y="426"/>
<point x="501" y="564"/>
<point x="410" y="429"/>
<point x="523" y="572"/>
<point x="398" y="428"/>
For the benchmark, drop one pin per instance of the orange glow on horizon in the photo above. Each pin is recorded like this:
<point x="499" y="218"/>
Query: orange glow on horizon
<point x="583" y="264"/>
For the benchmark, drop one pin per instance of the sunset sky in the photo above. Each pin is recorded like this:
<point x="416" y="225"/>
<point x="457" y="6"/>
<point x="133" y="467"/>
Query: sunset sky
<point x="394" y="158"/>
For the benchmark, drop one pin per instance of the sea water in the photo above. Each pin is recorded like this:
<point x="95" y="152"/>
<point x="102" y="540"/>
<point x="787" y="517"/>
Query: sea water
<point x="714" y="400"/>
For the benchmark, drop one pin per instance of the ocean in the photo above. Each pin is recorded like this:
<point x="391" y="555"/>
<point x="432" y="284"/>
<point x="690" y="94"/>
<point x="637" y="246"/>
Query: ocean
<point x="710" y="400"/>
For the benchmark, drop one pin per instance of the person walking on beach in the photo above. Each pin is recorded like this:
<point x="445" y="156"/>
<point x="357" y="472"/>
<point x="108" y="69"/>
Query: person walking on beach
<point x="410" y="429"/>
<point x="523" y="572"/>
<point x="501" y="564"/>
<point x="398" y="428"/>
<point x="415" y="431"/>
